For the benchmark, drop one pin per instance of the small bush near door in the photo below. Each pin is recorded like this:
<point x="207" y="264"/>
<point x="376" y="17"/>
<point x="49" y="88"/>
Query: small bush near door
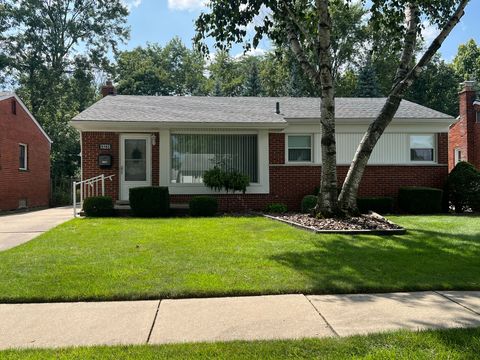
<point x="420" y="200"/>
<point x="203" y="206"/>
<point x="150" y="201"/>
<point x="381" y="205"/>
<point x="98" y="206"/>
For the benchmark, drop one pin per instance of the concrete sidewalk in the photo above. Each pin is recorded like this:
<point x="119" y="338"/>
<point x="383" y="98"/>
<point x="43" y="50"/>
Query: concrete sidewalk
<point x="225" y="319"/>
<point x="16" y="229"/>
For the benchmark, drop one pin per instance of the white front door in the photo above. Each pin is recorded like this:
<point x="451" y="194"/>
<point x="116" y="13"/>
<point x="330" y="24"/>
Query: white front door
<point x="135" y="162"/>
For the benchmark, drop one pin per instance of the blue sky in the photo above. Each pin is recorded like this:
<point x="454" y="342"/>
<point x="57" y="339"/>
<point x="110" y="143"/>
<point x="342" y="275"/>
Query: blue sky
<point x="157" y="21"/>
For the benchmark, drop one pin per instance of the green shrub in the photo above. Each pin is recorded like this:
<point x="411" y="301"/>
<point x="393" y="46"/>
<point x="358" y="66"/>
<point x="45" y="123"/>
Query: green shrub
<point x="316" y="191"/>
<point x="150" y="201"/>
<point x="98" y="206"/>
<point x="203" y="206"/>
<point x="381" y="205"/>
<point x="308" y="203"/>
<point x="276" y="208"/>
<point x="230" y="181"/>
<point x="420" y="200"/>
<point x="463" y="187"/>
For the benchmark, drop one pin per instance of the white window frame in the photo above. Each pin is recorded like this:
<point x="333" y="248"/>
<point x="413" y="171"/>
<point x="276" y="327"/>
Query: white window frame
<point x="435" y="149"/>
<point x="287" y="147"/>
<point x="457" y="153"/>
<point x="261" y="187"/>
<point x="25" y="163"/>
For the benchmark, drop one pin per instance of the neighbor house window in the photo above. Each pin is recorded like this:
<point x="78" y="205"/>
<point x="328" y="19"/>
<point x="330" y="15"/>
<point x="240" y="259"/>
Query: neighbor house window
<point x="22" y="158"/>
<point x="422" y="147"/>
<point x="457" y="155"/>
<point x="14" y="107"/>
<point x="299" y="148"/>
<point x="193" y="154"/>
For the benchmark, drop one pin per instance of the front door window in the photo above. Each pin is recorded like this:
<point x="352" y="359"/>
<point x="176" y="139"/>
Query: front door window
<point x="135" y="160"/>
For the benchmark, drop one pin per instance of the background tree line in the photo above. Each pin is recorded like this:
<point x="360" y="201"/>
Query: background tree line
<point x="177" y="70"/>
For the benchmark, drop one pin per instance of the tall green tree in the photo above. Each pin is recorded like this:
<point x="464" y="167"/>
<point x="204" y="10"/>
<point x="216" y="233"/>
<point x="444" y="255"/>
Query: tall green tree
<point x="40" y="42"/>
<point x="307" y="28"/>
<point x="153" y="70"/>
<point x="367" y="83"/>
<point x="252" y="84"/>
<point x="226" y="73"/>
<point x="467" y="61"/>
<point x="437" y="87"/>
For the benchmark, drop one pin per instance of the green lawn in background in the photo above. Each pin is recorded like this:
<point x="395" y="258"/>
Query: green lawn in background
<point x="127" y="258"/>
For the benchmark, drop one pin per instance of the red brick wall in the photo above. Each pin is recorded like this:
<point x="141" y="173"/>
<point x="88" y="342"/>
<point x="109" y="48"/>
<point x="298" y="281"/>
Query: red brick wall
<point x="91" y="150"/>
<point x="465" y="133"/>
<point x="34" y="183"/>
<point x="288" y="184"/>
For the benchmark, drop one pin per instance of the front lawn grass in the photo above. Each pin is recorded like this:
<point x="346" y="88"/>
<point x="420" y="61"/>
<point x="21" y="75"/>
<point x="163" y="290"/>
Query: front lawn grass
<point x="440" y="344"/>
<point x="124" y="259"/>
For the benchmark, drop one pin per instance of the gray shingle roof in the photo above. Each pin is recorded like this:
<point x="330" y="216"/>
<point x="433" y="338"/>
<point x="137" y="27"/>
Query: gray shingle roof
<point x="177" y="109"/>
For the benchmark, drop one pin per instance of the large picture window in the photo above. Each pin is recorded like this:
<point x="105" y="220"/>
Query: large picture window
<point x="193" y="154"/>
<point x="422" y="147"/>
<point x="299" y="148"/>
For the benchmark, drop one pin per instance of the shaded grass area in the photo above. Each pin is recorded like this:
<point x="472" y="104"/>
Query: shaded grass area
<point x="113" y="259"/>
<point x="440" y="344"/>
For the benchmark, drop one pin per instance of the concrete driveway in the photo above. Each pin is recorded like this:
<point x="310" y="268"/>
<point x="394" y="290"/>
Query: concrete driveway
<point x="17" y="229"/>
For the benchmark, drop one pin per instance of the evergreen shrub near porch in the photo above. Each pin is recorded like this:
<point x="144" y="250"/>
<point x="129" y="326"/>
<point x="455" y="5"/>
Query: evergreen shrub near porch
<point x="203" y="206"/>
<point x="150" y="201"/>
<point x="98" y="206"/>
<point x="420" y="200"/>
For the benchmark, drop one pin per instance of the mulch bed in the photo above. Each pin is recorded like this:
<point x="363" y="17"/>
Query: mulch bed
<point x="370" y="223"/>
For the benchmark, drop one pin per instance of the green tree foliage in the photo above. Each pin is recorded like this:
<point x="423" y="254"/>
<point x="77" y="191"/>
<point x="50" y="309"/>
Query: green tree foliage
<point x="153" y="70"/>
<point x="467" y="61"/>
<point x="253" y="86"/>
<point x="226" y="74"/>
<point x="367" y="83"/>
<point x="437" y="87"/>
<point x="40" y="40"/>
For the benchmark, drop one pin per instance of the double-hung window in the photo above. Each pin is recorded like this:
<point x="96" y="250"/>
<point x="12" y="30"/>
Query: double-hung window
<point x="299" y="148"/>
<point x="193" y="154"/>
<point x="22" y="157"/>
<point x="422" y="148"/>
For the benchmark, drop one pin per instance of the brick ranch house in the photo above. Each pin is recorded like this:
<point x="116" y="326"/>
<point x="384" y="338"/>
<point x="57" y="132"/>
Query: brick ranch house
<point x="24" y="157"/>
<point x="464" y="135"/>
<point x="171" y="141"/>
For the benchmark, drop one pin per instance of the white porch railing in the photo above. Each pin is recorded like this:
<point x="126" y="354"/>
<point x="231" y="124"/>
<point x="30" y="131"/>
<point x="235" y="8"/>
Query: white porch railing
<point x="90" y="187"/>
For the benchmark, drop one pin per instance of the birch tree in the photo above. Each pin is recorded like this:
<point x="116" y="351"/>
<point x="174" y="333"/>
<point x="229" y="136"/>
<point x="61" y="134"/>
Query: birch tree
<point x="306" y="26"/>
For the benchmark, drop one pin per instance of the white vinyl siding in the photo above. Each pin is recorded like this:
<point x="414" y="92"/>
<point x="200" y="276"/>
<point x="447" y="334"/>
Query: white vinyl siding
<point x="391" y="149"/>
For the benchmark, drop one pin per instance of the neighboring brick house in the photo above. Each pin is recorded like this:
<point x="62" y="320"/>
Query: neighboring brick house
<point x="24" y="157"/>
<point x="464" y="135"/>
<point x="171" y="141"/>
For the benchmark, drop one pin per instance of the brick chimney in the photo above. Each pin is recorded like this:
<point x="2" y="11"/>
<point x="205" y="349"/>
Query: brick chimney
<point x="464" y="135"/>
<point x="108" y="89"/>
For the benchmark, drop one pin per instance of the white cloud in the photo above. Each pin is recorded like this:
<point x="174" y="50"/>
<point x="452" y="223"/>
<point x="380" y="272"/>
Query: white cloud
<point x="131" y="4"/>
<point x="188" y="5"/>
<point x="429" y="32"/>
<point x="252" y="52"/>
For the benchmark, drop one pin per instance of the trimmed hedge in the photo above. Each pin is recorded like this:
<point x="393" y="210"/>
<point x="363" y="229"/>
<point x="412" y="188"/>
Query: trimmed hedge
<point x="98" y="206"/>
<point x="463" y="187"/>
<point x="420" y="200"/>
<point x="308" y="203"/>
<point x="150" y="201"/>
<point x="203" y="206"/>
<point x="381" y="205"/>
<point x="276" y="208"/>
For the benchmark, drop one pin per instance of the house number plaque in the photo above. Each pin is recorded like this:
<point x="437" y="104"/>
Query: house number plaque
<point x="105" y="146"/>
